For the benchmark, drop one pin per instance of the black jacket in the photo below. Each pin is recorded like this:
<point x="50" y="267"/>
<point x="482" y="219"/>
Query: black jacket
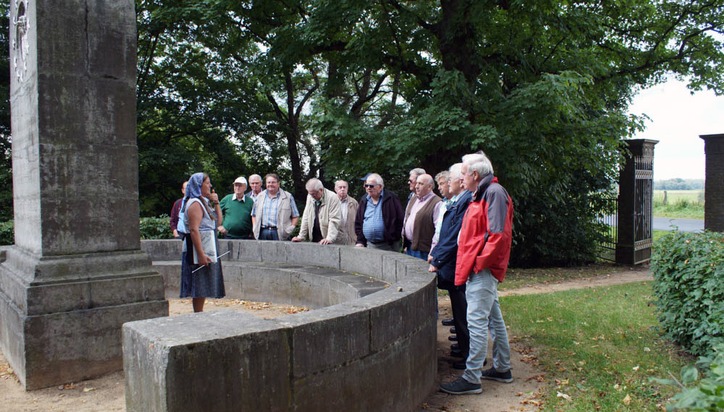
<point x="392" y="215"/>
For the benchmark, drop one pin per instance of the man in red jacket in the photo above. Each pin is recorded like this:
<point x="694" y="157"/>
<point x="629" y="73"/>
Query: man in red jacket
<point x="482" y="261"/>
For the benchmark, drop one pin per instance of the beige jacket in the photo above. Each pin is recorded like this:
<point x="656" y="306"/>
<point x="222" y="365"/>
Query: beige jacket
<point x="347" y="236"/>
<point x="284" y="214"/>
<point x="330" y="217"/>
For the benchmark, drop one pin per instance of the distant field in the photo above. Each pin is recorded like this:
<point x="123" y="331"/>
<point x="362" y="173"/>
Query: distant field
<point x="675" y="196"/>
<point x="683" y="204"/>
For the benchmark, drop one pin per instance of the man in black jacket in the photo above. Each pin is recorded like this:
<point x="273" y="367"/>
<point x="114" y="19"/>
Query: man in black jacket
<point x="379" y="217"/>
<point x="444" y="256"/>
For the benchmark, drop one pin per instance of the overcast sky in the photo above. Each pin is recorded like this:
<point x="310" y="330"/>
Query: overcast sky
<point x="677" y="120"/>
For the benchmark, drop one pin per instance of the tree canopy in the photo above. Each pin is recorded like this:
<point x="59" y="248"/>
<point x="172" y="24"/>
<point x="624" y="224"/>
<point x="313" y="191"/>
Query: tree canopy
<point x="337" y="89"/>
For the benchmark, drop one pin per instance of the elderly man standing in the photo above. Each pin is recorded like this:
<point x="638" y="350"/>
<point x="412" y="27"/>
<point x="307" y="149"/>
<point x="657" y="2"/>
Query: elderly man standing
<point x="420" y="217"/>
<point x="322" y="215"/>
<point x="236" y="208"/>
<point x="275" y="214"/>
<point x="255" y="183"/>
<point x="379" y="218"/>
<point x="482" y="261"/>
<point x="443" y="258"/>
<point x="348" y="206"/>
<point x="412" y="181"/>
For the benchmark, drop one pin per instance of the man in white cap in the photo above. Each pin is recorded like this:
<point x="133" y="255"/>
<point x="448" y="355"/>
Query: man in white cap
<point x="236" y="208"/>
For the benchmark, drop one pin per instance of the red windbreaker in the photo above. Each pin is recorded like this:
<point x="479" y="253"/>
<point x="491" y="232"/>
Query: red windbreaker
<point x="486" y="235"/>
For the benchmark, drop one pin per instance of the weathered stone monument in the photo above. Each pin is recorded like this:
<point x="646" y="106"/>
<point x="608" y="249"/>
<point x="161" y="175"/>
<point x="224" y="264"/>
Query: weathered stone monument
<point x="76" y="272"/>
<point x="714" y="190"/>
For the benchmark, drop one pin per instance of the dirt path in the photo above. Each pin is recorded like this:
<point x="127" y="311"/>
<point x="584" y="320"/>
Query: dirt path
<point x="107" y="393"/>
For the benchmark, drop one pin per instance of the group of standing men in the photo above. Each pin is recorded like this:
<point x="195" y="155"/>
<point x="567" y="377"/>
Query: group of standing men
<point x="465" y="235"/>
<point x="272" y="213"/>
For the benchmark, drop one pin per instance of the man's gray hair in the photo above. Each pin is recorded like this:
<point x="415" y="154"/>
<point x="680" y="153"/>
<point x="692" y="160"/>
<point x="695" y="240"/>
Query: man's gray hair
<point x="339" y="182"/>
<point x="444" y="175"/>
<point x="478" y="162"/>
<point x="377" y="178"/>
<point x="456" y="171"/>
<point x="314" y="184"/>
<point x="417" y="171"/>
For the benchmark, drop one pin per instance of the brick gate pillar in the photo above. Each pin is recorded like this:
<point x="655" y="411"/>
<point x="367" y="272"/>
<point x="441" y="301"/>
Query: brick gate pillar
<point x="714" y="182"/>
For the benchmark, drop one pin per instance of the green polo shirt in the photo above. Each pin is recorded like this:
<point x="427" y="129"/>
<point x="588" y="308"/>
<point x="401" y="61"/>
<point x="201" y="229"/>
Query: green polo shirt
<point x="237" y="216"/>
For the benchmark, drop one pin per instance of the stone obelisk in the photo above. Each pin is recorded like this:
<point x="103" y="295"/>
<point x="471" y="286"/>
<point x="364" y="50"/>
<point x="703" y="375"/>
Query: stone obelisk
<point x="76" y="272"/>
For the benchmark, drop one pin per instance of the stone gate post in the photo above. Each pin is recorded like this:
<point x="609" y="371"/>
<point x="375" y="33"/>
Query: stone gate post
<point x="635" y="204"/>
<point x="76" y="272"/>
<point x="713" y="186"/>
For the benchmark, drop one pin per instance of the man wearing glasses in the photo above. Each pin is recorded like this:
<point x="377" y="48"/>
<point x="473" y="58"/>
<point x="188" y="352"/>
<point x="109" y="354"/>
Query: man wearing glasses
<point x="378" y="224"/>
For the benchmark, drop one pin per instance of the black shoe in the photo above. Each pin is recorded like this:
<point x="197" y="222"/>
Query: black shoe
<point x="461" y="387"/>
<point x="457" y="354"/>
<point x="448" y="322"/>
<point x="453" y="331"/>
<point x="452" y="338"/>
<point x="455" y="346"/>
<point x="493" y="375"/>
<point x="459" y="365"/>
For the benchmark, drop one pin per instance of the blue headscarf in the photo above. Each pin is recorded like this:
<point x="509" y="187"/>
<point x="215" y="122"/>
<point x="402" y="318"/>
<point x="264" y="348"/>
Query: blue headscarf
<point x="193" y="187"/>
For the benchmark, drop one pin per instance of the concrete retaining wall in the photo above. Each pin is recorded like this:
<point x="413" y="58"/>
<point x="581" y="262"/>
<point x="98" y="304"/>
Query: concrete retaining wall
<point x="370" y="345"/>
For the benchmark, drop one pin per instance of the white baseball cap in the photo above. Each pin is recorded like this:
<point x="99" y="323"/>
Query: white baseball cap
<point x="242" y="180"/>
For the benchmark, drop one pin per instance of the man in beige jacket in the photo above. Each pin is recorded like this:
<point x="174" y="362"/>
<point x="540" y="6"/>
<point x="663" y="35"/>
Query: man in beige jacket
<point x="322" y="215"/>
<point x="349" y="211"/>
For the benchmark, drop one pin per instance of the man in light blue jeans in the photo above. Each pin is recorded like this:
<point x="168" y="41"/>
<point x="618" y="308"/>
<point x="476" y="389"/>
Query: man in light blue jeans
<point x="482" y="260"/>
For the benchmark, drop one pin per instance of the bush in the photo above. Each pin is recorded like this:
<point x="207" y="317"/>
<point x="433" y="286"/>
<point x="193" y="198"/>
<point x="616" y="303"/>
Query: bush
<point x="156" y="228"/>
<point x="151" y="228"/>
<point x="7" y="233"/>
<point x="706" y="394"/>
<point x="688" y="270"/>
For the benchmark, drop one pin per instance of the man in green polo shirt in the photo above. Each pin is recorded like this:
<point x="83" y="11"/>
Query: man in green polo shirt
<point x="236" y="208"/>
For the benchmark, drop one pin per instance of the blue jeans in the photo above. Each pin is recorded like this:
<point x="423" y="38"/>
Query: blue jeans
<point x="418" y="254"/>
<point x="484" y="313"/>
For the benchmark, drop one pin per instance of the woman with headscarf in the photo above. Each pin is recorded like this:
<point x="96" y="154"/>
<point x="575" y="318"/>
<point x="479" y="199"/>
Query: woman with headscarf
<point x="201" y="275"/>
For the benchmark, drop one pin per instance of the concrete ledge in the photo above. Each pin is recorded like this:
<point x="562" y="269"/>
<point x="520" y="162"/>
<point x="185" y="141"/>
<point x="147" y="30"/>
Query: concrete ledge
<point x="369" y="345"/>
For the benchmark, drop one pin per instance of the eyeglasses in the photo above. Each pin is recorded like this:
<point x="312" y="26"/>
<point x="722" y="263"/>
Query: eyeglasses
<point x="370" y="186"/>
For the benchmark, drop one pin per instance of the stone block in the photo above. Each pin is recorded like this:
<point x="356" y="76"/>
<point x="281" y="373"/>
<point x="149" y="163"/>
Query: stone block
<point x="274" y="251"/>
<point x="362" y="260"/>
<point x="400" y="311"/>
<point x="210" y="361"/>
<point x="325" y="339"/>
<point x="307" y="253"/>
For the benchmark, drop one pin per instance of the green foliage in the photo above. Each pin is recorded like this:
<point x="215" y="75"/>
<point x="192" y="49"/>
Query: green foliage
<point x="7" y="233"/>
<point x="156" y="228"/>
<point x="689" y="273"/>
<point x="705" y="394"/>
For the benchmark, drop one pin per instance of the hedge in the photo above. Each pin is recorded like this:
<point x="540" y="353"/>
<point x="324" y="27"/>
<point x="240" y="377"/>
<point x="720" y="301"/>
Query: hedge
<point x="688" y="270"/>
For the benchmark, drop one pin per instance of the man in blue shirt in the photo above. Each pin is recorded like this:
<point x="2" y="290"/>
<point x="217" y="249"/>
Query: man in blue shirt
<point x="379" y="217"/>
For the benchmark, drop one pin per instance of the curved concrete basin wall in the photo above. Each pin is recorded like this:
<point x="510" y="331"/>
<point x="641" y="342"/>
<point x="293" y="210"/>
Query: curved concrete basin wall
<point x="366" y="351"/>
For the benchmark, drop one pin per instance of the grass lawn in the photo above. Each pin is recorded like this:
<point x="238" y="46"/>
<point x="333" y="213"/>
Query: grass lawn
<point x="597" y="347"/>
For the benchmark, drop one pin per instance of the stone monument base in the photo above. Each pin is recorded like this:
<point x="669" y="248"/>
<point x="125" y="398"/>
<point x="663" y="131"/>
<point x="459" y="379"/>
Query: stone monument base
<point x="62" y="316"/>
